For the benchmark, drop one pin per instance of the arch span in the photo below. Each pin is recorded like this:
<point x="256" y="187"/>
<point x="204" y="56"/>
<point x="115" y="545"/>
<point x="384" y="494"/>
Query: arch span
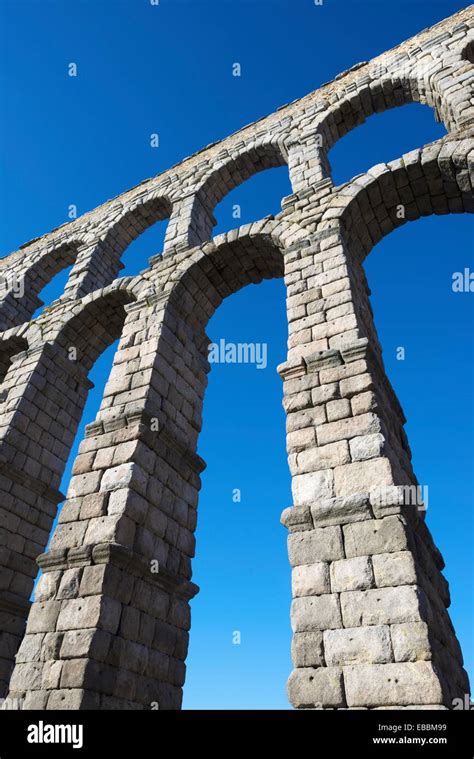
<point x="44" y="392"/>
<point x="436" y="179"/>
<point x="193" y="221"/>
<point x="110" y="624"/>
<point x="22" y="285"/>
<point x="100" y="263"/>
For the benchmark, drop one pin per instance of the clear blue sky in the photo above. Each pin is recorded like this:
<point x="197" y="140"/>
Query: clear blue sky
<point x="167" y="69"/>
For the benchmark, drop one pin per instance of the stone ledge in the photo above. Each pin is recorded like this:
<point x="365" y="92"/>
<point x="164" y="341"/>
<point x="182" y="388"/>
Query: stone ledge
<point x="359" y="349"/>
<point x="338" y="356"/>
<point x="323" y="360"/>
<point x="292" y="369"/>
<point x="379" y="503"/>
<point x="143" y="420"/>
<point x="119" y="556"/>
<point x="333" y="511"/>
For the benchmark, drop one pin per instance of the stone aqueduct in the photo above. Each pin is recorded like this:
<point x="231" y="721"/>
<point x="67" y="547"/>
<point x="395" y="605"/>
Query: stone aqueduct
<point x="369" y="615"/>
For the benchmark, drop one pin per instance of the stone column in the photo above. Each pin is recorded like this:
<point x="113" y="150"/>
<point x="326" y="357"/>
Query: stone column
<point x="109" y="625"/>
<point x="308" y="163"/>
<point x="369" y="615"/>
<point x="190" y="224"/>
<point x="42" y="398"/>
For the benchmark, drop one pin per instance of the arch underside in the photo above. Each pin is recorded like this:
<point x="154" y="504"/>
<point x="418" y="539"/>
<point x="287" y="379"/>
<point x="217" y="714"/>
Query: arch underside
<point x="369" y="613"/>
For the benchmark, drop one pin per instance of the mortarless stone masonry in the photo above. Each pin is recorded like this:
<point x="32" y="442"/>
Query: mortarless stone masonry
<point x="110" y="622"/>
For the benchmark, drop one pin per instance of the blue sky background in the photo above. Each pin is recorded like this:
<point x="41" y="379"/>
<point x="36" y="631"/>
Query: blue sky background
<point x="168" y="69"/>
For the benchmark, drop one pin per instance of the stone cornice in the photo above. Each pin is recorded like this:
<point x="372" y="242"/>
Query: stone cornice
<point x="121" y="557"/>
<point x="145" y="422"/>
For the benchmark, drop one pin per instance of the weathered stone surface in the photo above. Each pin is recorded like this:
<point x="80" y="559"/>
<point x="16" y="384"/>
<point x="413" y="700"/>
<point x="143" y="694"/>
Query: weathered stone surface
<point x="301" y="439"/>
<point x="354" y="385"/>
<point x="352" y="508"/>
<point x="26" y="676"/>
<point x="314" y="687"/>
<point x="351" y="574"/>
<point x="51" y="675"/>
<point x="109" y="624"/>
<point x="43" y="616"/>
<point x="307" y="649"/>
<point x="392" y="684"/>
<point x="315" y="613"/>
<point x="357" y="645"/>
<point x="375" y="536"/>
<point x="73" y="699"/>
<point x="382" y="606"/>
<point x="91" y="642"/>
<point x="394" y="499"/>
<point x="313" y="546"/>
<point x="361" y="475"/>
<point x="410" y="641"/>
<point x="310" y="579"/>
<point x="339" y="409"/>
<point x="323" y="457"/>
<point x="87" y="612"/>
<point x="30" y="648"/>
<point x="363" y="403"/>
<point x="310" y="487"/>
<point x="344" y="429"/>
<point x="391" y="569"/>
<point x="47" y="586"/>
<point x="297" y="518"/>
<point x="367" y="447"/>
<point x="69" y="585"/>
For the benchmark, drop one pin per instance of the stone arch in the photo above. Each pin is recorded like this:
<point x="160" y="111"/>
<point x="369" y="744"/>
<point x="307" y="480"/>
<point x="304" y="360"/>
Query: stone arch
<point x="435" y="179"/>
<point x="234" y="167"/>
<point x="109" y="626"/>
<point x="377" y="95"/>
<point x="349" y="370"/>
<point x="26" y="279"/>
<point x="153" y="479"/>
<point x="193" y="221"/>
<point x="99" y="264"/>
<point x="95" y="325"/>
<point x="232" y="260"/>
<point x="44" y="392"/>
<point x="189" y="292"/>
<point x="390" y="84"/>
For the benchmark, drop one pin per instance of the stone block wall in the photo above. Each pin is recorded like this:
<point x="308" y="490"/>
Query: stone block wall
<point x="110" y="621"/>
